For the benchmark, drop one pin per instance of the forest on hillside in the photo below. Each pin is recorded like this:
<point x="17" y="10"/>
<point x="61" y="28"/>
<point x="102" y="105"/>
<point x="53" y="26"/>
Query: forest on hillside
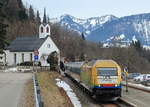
<point x="18" y="20"/>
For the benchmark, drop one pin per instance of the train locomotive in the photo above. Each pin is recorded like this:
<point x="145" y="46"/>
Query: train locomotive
<point x="101" y="77"/>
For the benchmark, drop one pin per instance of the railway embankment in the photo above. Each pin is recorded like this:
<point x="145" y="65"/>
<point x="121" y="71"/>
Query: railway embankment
<point x="51" y="94"/>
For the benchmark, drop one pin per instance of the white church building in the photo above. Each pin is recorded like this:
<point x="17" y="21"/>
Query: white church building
<point x="22" y="48"/>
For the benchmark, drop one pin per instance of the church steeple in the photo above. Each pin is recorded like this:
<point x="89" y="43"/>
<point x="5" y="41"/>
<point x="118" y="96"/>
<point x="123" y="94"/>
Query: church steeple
<point x="44" y="18"/>
<point x="44" y="28"/>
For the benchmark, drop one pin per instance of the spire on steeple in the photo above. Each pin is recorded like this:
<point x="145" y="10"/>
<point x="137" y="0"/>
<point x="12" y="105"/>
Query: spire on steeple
<point x="44" y="28"/>
<point x="44" y="18"/>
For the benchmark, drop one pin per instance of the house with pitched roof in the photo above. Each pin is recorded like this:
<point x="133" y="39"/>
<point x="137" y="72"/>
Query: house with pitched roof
<point x="23" y="49"/>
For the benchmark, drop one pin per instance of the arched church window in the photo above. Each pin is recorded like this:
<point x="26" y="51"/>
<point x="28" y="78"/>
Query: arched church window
<point x="47" y="29"/>
<point x="42" y="29"/>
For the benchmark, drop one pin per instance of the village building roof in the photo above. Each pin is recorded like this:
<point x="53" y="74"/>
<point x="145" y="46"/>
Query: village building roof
<point x="26" y="44"/>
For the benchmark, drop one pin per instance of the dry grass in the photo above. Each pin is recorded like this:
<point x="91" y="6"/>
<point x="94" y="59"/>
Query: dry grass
<point x="28" y="95"/>
<point x="52" y="95"/>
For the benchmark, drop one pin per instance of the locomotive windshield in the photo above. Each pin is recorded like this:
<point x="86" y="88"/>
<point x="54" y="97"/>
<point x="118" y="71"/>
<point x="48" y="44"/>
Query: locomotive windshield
<point x="107" y="71"/>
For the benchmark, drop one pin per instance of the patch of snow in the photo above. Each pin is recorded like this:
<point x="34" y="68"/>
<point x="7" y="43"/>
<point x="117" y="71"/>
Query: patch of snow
<point x="146" y="47"/>
<point x="112" y="37"/>
<point x="69" y="27"/>
<point x="24" y="70"/>
<point x="138" y="85"/>
<point x="69" y="92"/>
<point x="144" y="28"/>
<point x="106" y="45"/>
<point x="134" y="39"/>
<point x="57" y="79"/>
<point x="88" y="32"/>
<point x="122" y="36"/>
<point x="93" y="22"/>
<point x="14" y="69"/>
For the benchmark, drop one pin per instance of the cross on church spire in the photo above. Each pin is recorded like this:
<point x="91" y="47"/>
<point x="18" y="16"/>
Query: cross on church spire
<point x="44" y="18"/>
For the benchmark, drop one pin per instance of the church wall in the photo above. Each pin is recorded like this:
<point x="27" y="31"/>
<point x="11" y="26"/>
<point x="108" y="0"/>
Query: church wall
<point x="47" y="48"/>
<point x="10" y="57"/>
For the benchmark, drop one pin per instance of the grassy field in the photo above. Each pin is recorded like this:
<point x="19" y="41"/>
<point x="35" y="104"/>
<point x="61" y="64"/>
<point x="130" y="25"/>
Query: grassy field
<point x="28" y="95"/>
<point x="52" y="95"/>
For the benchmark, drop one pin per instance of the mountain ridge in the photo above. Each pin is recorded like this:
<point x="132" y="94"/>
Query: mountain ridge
<point x="100" y="29"/>
<point x="83" y="25"/>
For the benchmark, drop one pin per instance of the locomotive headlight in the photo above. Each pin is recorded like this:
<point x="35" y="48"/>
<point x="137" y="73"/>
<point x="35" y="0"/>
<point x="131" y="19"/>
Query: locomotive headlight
<point x="116" y="85"/>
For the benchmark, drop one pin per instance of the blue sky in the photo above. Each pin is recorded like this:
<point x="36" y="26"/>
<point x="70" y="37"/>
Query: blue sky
<point x="90" y="8"/>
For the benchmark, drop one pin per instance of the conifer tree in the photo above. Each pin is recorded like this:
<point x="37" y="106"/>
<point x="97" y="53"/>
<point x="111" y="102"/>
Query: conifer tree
<point x="137" y="45"/>
<point x="82" y="57"/>
<point x="20" y="4"/>
<point x="22" y="11"/>
<point x="22" y="15"/>
<point x="12" y="9"/>
<point x="83" y="37"/>
<point x="2" y="28"/>
<point x="31" y="14"/>
<point x="38" y="19"/>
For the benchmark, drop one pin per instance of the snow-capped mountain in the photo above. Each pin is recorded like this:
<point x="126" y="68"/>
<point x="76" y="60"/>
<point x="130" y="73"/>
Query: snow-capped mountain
<point x="132" y="27"/>
<point x="85" y="26"/>
<point x="108" y="28"/>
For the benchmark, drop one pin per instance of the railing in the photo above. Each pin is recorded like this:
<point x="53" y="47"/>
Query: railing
<point x="37" y="95"/>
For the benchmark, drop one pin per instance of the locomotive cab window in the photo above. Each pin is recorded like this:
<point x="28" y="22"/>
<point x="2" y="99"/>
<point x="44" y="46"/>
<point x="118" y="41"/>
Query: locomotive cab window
<point x="107" y="71"/>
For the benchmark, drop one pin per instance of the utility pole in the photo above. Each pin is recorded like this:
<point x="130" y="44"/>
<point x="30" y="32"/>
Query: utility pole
<point x="126" y="73"/>
<point x="36" y="57"/>
<point x="126" y="70"/>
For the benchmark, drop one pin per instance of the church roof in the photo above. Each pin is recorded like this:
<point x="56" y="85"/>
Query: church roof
<point x="26" y="44"/>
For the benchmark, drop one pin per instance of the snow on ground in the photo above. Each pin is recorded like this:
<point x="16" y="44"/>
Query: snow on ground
<point x="13" y="69"/>
<point x="88" y="32"/>
<point x="69" y="92"/>
<point x="138" y="85"/>
<point x="122" y="36"/>
<point x="93" y="22"/>
<point x="106" y="45"/>
<point x="146" y="47"/>
<point x="16" y="69"/>
<point x="134" y="39"/>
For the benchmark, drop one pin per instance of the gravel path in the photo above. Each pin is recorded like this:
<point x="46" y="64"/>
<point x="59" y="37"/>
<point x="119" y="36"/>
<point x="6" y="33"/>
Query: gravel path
<point x="11" y="88"/>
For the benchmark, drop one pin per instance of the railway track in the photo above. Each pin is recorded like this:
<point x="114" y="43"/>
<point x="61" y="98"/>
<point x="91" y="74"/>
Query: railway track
<point x="87" y="100"/>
